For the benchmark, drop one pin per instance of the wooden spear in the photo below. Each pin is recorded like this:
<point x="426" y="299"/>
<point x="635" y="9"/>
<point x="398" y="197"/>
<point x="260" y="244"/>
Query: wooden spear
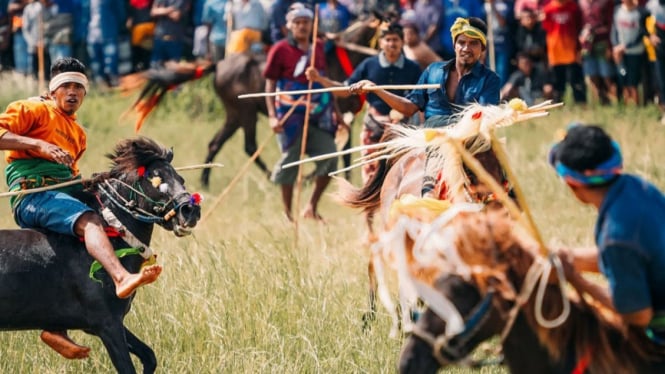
<point x="303" y="143"/>
<point x="248" y="163"/>
<point x="501" y="194"/>
<point x="342" y="88"/>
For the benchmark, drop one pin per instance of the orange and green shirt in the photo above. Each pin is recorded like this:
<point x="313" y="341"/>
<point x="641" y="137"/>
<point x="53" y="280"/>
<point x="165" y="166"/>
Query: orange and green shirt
<point x="43" y="120"/>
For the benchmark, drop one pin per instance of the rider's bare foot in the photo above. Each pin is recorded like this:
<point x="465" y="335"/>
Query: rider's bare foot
<point x="61" y="343"/>
<point x="310" y="213"/>
<point x="147" y="275"/>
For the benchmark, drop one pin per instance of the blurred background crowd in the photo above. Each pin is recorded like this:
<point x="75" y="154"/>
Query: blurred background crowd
<point x="541" y="48"/>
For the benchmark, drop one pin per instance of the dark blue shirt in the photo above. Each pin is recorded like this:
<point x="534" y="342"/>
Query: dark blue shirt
<point x="378" y="70"/>
<point x="631" y="242"/>
<point x="481" y="85"/>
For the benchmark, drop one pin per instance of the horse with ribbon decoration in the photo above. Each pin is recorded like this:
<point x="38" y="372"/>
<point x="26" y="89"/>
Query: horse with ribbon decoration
<point x="49" y="281"/>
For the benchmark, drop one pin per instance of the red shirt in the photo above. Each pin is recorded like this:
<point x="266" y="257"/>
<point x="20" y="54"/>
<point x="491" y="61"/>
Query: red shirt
<point x="562" y="25"/>
<point x="284" y="56"/>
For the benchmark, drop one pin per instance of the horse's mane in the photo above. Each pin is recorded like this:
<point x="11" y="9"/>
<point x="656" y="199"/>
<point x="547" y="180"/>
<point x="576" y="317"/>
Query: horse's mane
<point x="129" y="154"/>
<point x="492" y="242"/>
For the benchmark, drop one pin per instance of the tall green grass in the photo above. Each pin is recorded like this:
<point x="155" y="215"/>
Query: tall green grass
<point x="238" y="297"/>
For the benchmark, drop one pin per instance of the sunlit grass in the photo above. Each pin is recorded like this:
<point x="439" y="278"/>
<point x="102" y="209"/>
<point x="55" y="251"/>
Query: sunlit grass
<point x="238" y="297"/>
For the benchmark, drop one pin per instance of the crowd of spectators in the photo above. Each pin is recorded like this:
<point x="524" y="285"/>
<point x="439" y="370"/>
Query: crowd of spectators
<point x="540" y="48"/>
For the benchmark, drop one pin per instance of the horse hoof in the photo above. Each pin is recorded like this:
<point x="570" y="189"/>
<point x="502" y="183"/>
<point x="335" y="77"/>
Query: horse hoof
<point x="368" y="318"/>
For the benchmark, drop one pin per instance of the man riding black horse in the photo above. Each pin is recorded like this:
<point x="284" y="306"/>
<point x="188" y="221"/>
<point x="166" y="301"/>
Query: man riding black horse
<point x="43" y="143"/>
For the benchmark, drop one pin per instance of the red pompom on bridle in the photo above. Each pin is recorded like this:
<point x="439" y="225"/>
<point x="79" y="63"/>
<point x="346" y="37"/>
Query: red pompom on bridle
<point x="195" y="199"/>
<point x="140" y="171"/>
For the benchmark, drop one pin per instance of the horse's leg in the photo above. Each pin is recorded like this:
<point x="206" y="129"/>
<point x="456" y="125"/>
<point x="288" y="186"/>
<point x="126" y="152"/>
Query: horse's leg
<point x="370" y="315"/>
<point x="231" y="125"/>
<point x="248" y="122"/>
<point x="113" y="336"/>
<point x="142" y="351"/>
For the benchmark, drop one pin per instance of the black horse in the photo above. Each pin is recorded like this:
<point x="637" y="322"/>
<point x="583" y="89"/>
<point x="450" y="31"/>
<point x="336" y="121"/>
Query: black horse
<point x="45" y="278"/>
<point x="240" y="74"/>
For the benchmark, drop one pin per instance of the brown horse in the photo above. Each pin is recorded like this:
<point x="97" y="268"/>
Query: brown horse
<point x="497" y="260"/>
<point x="240" y="74"/>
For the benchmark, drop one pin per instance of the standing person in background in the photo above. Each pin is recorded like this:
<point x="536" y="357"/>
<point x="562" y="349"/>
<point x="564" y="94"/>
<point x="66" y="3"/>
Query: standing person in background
<point x="390" y="66"/>
<point x="107" y="18"/>
<point x="333" y="17"/>
<point x="59" y="27"/>
<point x="562" y="22"/>
<point x="22" y="59"/>
<point x="531" y="39"/>
<point x="657" y="38"/>
<point x="169" y="41"/>
<point x="6" y="58"/>
<point x="142" y="30"/>
<point x="214" y="15"/>
<point x="80" y="31"/>
<point x="277" y="20"/>
<point x="415" y="49"/>
<point x="249" y="22"/>
<point x="285" y="71"/>
<point x="428" y="17"/>
<point x="628" y="32"/>
<point x="503" y="26"/>
<point x="463" y="80"/>
<point x="30" y="21"/>
<point x="201" y="31"/>
<point x="596" y="47"/>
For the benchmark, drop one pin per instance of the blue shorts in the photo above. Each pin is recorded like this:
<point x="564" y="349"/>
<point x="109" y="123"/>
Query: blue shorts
<point x="597" y="66"/>
<point x="51" y="210"/>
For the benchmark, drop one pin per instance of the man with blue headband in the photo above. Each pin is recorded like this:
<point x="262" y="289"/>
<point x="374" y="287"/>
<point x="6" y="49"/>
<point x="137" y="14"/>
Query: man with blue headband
<point x="629" y="231"/>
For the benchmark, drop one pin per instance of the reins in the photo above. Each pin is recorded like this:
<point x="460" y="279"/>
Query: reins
<point x="441" y="343"/>
<point x="539" y="273"/>
<point x="107" y="189"/>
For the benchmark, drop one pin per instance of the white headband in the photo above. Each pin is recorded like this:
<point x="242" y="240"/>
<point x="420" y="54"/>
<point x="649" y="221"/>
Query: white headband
<point x="68" y="77"/>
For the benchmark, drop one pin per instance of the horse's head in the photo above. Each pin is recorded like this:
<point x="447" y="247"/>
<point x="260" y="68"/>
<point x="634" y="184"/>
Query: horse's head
<point x="482" y="255"/>
<point x="428" y="348"/>
<point x="143" y="183"/>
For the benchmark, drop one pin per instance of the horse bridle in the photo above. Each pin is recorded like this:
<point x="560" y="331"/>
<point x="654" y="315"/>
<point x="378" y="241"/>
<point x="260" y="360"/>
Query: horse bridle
<point x="538" y="273"/>
<point x="168" y="208"/>
<point x="480" y="313"/>
<point x="452" y="346"/>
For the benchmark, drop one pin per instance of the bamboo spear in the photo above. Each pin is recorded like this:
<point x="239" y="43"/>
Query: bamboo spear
<point x="483" y="175"/>
<point x="342" y="88"/>
<point x="249" y="162"/>
<point x="303" y="143"/>
<point x="80" y="181"/>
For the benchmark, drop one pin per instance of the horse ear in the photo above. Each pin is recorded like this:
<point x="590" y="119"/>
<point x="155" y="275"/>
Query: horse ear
<point x="169" y="155"/>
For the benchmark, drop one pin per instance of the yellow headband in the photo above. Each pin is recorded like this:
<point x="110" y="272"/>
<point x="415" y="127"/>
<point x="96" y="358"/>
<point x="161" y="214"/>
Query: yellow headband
<point x="462" y="26"/>
<point x="68" y="77"/>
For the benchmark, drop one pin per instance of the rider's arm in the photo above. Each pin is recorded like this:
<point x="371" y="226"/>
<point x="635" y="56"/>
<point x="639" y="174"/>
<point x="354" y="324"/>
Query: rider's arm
<point x="399" y="103"/>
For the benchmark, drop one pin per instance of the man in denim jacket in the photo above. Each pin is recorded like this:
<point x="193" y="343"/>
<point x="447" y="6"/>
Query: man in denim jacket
<point x="463" y="80"/>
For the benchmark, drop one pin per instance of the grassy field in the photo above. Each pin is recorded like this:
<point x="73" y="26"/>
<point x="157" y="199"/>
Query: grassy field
<point x="238" y="297"/>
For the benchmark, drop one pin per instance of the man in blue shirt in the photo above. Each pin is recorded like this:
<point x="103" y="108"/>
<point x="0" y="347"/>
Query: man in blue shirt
<point x="463" y="80"/>
<point x="629" y="231"/>
<point x="390" y="66"/>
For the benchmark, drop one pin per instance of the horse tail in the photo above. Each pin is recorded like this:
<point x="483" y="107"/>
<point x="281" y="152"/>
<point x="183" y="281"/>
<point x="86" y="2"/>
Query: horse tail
<point x="367" y="197"/>
<point x="156" y="83"/>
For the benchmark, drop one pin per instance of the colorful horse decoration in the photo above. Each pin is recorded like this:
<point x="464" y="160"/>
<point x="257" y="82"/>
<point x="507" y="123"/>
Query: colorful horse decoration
<point x="509" y="290"/>
<point x="398" y="181"/>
